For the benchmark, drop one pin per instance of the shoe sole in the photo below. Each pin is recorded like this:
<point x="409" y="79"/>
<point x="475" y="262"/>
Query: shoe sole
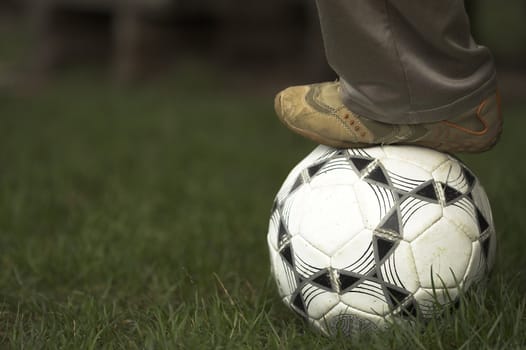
<point x="439" y="146"/>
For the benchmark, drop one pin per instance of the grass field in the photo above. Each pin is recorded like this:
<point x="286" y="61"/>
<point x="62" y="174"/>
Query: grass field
<point x="136" y="218"/>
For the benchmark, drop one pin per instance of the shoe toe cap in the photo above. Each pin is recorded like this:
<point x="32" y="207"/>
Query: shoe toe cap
<point x="288" y="103"/>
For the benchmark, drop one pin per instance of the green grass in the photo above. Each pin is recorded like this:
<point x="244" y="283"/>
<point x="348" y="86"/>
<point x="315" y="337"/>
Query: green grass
<point x="137" y="217"/>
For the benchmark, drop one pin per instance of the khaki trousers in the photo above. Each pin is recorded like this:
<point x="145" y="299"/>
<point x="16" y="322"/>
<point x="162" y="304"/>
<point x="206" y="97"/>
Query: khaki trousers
<point x="405" y="61"/>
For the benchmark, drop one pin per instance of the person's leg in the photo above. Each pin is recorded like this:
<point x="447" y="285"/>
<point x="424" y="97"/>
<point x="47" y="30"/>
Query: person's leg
<point x="404" y="62"/>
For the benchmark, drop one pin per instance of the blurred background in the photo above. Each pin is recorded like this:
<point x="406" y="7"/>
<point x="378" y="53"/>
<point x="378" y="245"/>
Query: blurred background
<point x="129" y="41"/>
<point x="260" y="45"/>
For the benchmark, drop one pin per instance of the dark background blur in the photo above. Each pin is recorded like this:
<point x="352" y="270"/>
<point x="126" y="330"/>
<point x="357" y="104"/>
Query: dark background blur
<point x="258" y="45"/>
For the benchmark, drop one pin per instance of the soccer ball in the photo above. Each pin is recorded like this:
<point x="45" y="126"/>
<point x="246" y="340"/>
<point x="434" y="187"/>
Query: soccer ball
<point x="360" y="238"/>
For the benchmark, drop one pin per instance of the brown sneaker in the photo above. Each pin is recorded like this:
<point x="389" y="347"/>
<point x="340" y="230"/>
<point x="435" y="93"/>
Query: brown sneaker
<point x="316" y="112"/>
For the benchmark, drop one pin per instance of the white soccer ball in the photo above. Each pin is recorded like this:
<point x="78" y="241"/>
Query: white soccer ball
<point x="360" y="238"/>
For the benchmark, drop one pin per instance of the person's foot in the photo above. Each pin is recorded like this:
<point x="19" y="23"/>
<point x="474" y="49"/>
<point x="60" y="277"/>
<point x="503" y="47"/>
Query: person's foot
<point x="316" y="112"/>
